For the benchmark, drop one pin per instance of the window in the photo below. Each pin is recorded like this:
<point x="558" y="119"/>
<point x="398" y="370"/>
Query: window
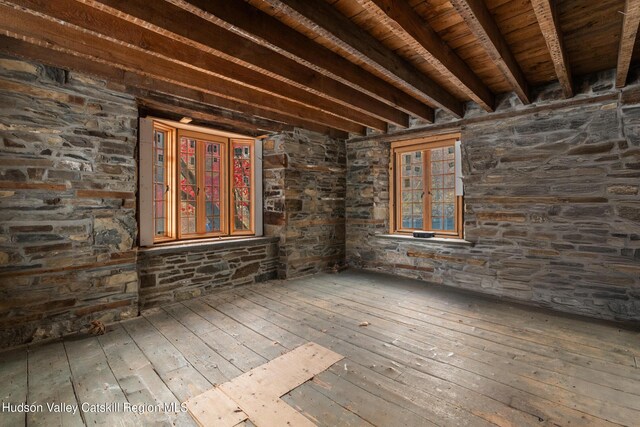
<point x="426" y="186"/>
<point x="202" y="183"/>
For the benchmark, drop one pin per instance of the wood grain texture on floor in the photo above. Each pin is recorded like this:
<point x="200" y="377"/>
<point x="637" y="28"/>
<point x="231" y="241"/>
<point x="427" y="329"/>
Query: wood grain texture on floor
<point x="428" y="356"/>
<point x="256" y="394"/>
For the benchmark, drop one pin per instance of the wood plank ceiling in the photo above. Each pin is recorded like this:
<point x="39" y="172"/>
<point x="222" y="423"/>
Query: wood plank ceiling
<point x="334" y="66"/>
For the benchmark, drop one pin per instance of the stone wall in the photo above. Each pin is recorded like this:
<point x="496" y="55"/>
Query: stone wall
<point x="551" y="204"/>
<point x="304" y="185"/>
<point x="552" y="207"/>
<point x="179" y="273"/>
<point x="68" y="228"/>
<point x="67" y="202"/>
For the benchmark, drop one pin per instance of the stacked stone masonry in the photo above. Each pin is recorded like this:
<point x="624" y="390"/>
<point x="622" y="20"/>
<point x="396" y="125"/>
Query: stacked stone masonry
<point x="552" y="205"/>
<point x="176" y="274"/>
<point x="68" y="226"/>
<point x="304" y="199"/>
<point x="67" y="202"/>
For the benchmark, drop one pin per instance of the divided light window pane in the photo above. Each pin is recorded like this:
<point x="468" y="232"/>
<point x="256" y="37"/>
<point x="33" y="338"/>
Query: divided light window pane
<point x="242" y="186"/>
<point x="202" y="184"/>
<point x="424" y="188"/>
<point x="442" y="166"/>
<point x="159" y="182"/>
<point x="188" y="185"/>
<point x="212" y="186"/>
<point x="412" y="191"/>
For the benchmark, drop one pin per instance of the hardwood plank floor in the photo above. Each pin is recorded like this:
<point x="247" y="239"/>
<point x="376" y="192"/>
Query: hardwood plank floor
<point x="429" y="356"/>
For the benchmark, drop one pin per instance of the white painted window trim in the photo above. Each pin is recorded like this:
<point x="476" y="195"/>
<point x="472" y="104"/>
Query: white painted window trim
<point x="145" y="184"/>
<point x="458" y="169"/>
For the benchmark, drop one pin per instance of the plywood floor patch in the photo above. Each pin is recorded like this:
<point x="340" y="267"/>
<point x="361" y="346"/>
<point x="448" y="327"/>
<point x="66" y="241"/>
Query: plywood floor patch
<point x="284" y="373"/>
<point x="256" y="393"/>
<point x="214" y="408"/>
<point x="268" y="411"/>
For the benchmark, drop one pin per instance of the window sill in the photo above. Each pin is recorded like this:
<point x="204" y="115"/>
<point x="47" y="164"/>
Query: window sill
<point x="204" y="244"/>
<point x="430" y="241"/>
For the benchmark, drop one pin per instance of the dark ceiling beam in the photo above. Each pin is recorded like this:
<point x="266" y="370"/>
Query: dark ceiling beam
<point x="133" y="83"/>
<point x="178" y="24"/>
<point x="328" y="22"/>
<point x="250" y="22"/>
<point x="627" y="40"/>
<point x="136" y="84"/>
<point x="403" y="21"/>
<point x="202" y="102"/>
<point x="102" y="24"/>
<point x="212" y="114"/>
<point x="65" y="38"/>
<point x="155" y="105"/>
<point x="483" y="26"/>
<point x="547" y="19"/>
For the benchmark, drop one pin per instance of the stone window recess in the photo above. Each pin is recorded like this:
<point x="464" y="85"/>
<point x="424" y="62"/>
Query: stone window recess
<point x="196" y="182"/>
<point x="426" y="186"/>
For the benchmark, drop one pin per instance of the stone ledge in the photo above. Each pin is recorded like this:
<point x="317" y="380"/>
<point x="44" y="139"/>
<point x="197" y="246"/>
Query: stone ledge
<point x="212" y="244"/>
<point x="439" y="241"/>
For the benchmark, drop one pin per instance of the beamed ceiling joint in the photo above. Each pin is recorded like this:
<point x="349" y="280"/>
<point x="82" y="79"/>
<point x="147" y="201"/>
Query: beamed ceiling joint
<point x="627" y="40"/>
<point x="333" y="68"/>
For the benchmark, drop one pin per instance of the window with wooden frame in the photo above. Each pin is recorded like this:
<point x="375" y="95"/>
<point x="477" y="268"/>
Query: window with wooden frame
<point x="195" y="183"/>
<point x="426" y="186"/>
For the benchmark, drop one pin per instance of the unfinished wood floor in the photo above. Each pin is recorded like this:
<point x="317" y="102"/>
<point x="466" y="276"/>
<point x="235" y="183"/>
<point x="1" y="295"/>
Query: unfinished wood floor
<point x="428" y="357"/>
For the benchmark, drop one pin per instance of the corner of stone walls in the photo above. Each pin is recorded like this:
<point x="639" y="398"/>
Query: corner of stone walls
<point x="304" y="201"/>
<point x="551" y="203"/>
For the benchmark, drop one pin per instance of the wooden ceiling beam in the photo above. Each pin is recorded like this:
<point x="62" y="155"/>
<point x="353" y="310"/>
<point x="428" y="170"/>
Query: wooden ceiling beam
<point x="138" y="85"/>
<point x="328" y="22"/>
<point x="547" y="19"/>
<point x="400" y="18"/>
<point x="483" y="26"/>
<point x="630" y="24"/>
<point x="178" y="24"/>
<point x="67" y="38"/>
<point x="250" y="22"/>
<point x="174" y="109"/>
<point x="217" y="117"/>
<point x="141" y="87"/>
<point x="170" y="111"/>
<point x="102" y="24"/>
